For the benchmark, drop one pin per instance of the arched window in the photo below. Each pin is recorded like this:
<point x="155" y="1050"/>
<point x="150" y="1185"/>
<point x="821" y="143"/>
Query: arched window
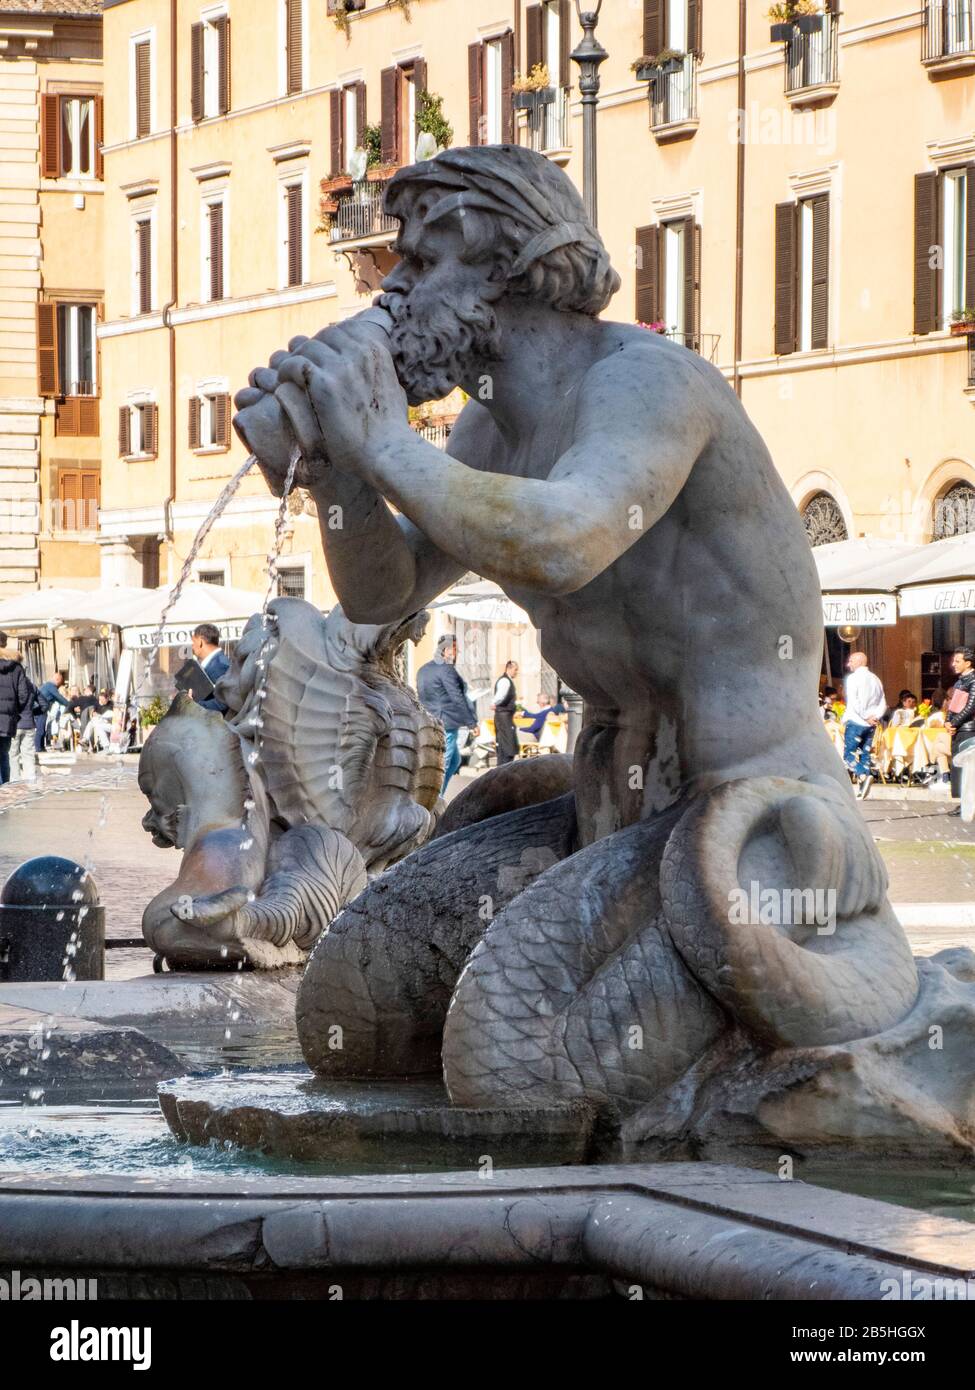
<point x="823" y="520"/>
<point x="954" y="512"/>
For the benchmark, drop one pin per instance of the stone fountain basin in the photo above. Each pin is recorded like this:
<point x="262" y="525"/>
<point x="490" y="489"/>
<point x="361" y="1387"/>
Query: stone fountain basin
<point x="295" y="1115"/>
<point x="679" y="1230"/>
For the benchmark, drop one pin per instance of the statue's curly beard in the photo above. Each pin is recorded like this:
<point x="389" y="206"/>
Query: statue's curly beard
<point x="431" y="354"/>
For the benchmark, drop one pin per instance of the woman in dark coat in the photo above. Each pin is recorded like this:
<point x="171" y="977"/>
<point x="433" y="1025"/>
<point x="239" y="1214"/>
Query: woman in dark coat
<point x="16" y="695"/>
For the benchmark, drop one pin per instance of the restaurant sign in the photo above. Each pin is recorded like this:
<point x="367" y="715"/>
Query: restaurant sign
<point x="861" y="610"/>
<point x="143" y="639"/>
<point x="938" y="598"/>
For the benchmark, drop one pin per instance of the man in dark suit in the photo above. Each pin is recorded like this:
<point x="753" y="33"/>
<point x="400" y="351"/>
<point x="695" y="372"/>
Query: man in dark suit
<point x="206" y="649"/>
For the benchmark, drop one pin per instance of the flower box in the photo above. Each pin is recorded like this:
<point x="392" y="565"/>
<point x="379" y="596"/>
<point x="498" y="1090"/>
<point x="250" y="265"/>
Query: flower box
<point x="782" y="33"/>
<point x="962" y="328"/>
<point x="531" y="101"/>
<point x="809" y="23"/>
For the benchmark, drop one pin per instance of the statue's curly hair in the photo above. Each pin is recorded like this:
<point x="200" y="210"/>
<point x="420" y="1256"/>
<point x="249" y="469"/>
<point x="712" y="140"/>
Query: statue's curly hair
<point x="515" y="204"/>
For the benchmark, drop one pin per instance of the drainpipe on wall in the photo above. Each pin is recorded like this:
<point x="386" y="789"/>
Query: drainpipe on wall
<point x="173" y="269"/>
<point x="740" y="200"/>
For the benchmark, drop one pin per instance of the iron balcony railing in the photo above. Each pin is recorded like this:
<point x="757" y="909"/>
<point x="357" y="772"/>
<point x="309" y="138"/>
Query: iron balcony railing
<point x="437" y="433"/>
<point x="705" y="344"/>
<point x="673" y="93"/>
<point x="360" y="213"/>
<point x="971" y="359"/>
<point x="812" y="59"/>
<point x="948" y="29"/>
<point x="548" y="124"/>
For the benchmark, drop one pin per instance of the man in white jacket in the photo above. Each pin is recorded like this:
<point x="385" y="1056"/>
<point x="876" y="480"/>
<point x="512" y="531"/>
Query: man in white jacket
<point x="866" y="705"/>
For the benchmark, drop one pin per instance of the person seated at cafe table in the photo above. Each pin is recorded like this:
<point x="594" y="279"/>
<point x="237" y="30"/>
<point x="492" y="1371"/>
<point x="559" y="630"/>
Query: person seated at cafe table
<point x="906" y="715"/>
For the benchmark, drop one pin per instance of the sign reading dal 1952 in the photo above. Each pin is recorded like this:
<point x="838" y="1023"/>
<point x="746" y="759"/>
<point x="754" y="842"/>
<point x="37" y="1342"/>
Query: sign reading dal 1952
<point x="143" y="638"/>
<point x="865" y="610"/>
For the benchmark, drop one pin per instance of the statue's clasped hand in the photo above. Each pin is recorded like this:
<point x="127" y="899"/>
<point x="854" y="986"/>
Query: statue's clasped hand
<point x="341" y="394"/>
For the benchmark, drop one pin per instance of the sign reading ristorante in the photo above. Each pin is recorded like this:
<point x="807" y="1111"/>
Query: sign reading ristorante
<point x="142" y="639"/>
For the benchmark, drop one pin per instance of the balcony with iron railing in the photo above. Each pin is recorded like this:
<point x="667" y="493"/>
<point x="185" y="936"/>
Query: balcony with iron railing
<point x="704" y="344"/>
<point x="812" y="60"/>
<point x="948" y="36"/>
<point x="547" y="129"/>
<point x="673" y="98"/>
<point x="359" y="215"/>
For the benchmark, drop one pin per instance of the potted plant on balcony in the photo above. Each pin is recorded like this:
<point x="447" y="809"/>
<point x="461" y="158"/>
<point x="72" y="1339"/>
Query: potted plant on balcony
<point x="789" y="15"/>
<point x="431" y="121"/>
<point x="533" y="91"/>
<point x="670" y="60"/>
<point x="962" y="322"/>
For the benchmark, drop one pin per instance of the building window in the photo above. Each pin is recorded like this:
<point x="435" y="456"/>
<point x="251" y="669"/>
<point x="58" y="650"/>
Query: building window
<point x="955" y="189"/>
<point x="491" y="72"/>
<point x="293" y="223"/>
<point x="213" y="250"/>
<point x="944" y="246"/>
<point x="141" y="87"/>
<point x="138" y="430"/>
<point x="212" y="577"/>
<point x="293" y="23"/>
<point x="949" y="28"/>
<point x="291" y="581"/>
<point x="142" y="267"/>
<point x="399" y="90"/>
<point x="210" y="66"/>
<point x="76" y="349"/>
<point x="66" y="352"/>
<point x="802" y="275"/>
<point x="79" y="492"/>
<point x="348" y="124"/>
<point x="823" y="520"/>
<point x="71" y="136"/>
<point x="210" y="421"/>
<point x="668" y="280"/>
<point x="954" y="514"/>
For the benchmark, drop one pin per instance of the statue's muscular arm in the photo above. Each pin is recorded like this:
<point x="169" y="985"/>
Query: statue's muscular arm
<point x="552" y="535"/>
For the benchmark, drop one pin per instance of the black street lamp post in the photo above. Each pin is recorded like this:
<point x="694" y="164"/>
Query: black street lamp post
<point x="589" y="55"/>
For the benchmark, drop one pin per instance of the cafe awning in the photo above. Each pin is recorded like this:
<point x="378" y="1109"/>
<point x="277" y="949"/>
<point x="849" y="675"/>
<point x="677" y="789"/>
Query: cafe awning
<point x="943" y="581"/>
<point x="135" y="611"/>
<point x="860" y="578"/>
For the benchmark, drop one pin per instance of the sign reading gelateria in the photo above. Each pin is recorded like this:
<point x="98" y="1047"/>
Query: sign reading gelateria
<point x="938" y="598"/>
<point x="142" y="639"/>
<point x="864" y="610"/>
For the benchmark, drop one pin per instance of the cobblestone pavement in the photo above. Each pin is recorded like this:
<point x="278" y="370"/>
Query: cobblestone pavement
<point x="92" y="813"/>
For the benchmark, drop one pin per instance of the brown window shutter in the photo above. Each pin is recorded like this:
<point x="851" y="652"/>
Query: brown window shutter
<point x="222" y="26"/>
<point x="786" y="238"/>
<point x="194" y="422"/>
<point x="534" y="41"/>
<point x="196" y="72"/>
<point x="143" y="90"/>
<point x="654" y="26"/>
<point x="88" y="416"/>
<point x="67" y="418"/>
<point x="563" y="77"/>
<point x="221" y="420"/>
<point x="145" y="267"/>
<point x="295" y="39"/>
<point x="335" y="122"/>
<point x="360" y="114"/>
<point x="295" y="267"/>
<point x="150" y="420"/>
<point x="99" y="137"/>
<point x="69" y="497"/>
<point x="50" y="136"/>
<point x="927" y="241"/>
<point x="475" y="87"/>
<point x="48" y="371"/>
<point x="970" y="237"/>
<point x="91" y="496"/>
<point x="820" y="272"/>
<point x="647" y="306"/>
<point x="216" y="251"/>
<point x="420" y="74"/>
<point x="692" y="284"/>
<point x="507" y="83"/>
<point x="389" y="93"/>
<point x="694" y="26"/>
<point x="124" y="432"/>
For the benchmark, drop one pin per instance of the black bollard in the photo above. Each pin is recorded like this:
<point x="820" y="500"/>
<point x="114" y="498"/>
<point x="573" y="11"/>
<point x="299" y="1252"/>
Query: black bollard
<point x="51" y="925"/>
